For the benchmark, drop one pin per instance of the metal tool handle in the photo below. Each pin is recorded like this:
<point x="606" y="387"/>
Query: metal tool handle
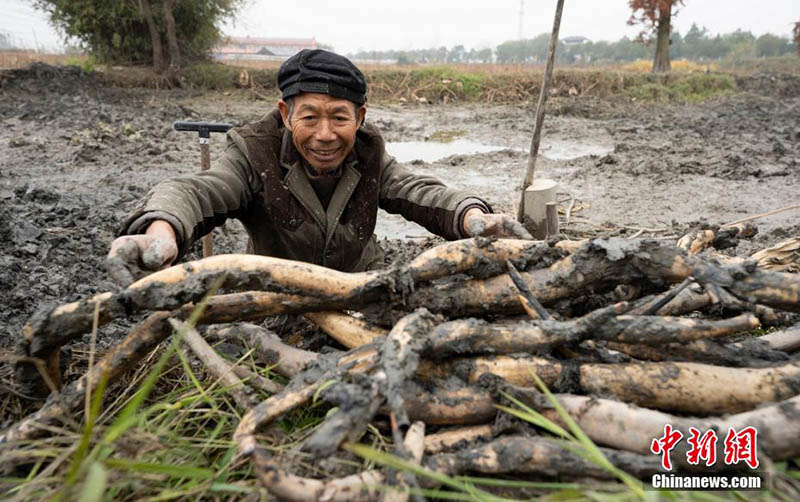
<point x="204" y="130"/>
<point x="182" y="125"/>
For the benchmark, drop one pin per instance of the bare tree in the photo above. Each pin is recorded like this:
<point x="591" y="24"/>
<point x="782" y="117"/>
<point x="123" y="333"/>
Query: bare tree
<point x="155" y="37"/>
<point x="172" y="40"/>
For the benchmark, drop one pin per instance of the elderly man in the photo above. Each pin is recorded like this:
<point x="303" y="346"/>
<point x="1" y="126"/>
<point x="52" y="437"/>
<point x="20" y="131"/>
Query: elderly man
<point x="306" y="181"/>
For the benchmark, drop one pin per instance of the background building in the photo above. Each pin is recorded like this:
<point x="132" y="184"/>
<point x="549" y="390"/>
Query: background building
<point x="269" y="49"/>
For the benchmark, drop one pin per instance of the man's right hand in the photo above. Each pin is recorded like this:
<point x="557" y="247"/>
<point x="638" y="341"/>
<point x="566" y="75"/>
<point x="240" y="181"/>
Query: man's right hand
<point x="131" y="257"/>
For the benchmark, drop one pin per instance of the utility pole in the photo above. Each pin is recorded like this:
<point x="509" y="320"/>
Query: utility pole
<point x="537" y="130"/>
<point x="521" y="12"/>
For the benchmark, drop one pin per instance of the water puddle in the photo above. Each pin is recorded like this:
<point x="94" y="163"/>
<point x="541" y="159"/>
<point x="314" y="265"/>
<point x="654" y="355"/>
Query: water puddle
<point x="394" y="226"/>
<point x="431" y="151"/>
<point x="490" y="183"/>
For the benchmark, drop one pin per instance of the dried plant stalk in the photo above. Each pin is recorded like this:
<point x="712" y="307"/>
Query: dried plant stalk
<point x="215" y="364"/>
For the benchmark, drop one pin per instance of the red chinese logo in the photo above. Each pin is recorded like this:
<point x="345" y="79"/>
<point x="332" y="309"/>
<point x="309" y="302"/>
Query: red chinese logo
<point x="740" y="446"/>
<point x="702" y="447"/>
<point x="665" y="444"/>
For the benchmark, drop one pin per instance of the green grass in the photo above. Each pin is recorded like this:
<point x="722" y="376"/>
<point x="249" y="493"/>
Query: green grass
<point x="681" y="87"/>
<point x="87" y="63"/>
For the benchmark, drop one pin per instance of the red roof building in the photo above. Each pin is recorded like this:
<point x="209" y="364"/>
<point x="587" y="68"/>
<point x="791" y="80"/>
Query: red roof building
<point x="262" y="48"/>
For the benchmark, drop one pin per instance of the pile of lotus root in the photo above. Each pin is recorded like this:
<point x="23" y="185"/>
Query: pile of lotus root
<point x="626" y="332"/>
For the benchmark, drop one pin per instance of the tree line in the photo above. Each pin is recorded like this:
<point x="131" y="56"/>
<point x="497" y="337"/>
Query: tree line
<point x="697" y="44"/>
<point x="163" y="32"/>
<point x="133" y="31"/>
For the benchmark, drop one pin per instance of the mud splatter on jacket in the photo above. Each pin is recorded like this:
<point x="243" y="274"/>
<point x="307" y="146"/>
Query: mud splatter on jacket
<point x="262" y="182"/>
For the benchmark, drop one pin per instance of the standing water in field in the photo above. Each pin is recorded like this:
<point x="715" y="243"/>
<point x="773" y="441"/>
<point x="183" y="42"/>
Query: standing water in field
<point x="431" y="151"/>
<point x="472" y="171"/>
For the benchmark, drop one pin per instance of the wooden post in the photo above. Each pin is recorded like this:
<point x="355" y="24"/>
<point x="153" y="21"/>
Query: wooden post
<point x="537" y="130"/>
<point x="552" y="219"/>
<point x="205" y="165"/>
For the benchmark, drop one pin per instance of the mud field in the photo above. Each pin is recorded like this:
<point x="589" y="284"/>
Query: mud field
<point x="76" y="155"/>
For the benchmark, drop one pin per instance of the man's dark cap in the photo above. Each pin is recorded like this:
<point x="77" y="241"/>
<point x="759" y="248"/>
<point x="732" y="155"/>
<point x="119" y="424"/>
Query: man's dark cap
<point x="317" y="70"/>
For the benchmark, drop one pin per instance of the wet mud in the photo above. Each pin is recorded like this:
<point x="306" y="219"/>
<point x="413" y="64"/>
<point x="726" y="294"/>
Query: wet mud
<point x="77" y="154"/>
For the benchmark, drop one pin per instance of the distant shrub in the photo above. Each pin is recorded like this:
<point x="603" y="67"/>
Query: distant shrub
<point x="681" y="87"/>
<point x="210" y="75"/>
<point x="86" y="63"/>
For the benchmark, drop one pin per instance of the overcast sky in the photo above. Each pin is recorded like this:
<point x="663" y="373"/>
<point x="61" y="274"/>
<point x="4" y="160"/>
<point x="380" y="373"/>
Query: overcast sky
<point x="350" y="25"/>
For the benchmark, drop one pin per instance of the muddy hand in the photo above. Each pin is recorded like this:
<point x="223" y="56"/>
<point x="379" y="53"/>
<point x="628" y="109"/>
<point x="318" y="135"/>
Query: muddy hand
<point x="477" y="223"/>
<point x="131" y="257"/>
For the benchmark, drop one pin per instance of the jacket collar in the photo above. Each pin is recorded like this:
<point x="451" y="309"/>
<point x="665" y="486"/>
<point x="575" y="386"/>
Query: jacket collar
<point x="296" y="180"/>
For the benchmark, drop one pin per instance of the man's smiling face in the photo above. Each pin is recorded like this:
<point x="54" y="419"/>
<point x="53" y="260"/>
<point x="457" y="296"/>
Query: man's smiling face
<point x="323" y="128"/>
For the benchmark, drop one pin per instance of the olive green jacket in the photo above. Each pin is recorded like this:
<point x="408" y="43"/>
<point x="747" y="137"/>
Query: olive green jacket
<point x="261" y="181"/>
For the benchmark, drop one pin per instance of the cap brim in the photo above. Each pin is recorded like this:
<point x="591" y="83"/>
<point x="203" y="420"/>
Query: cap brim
<point x="329" y="88"/>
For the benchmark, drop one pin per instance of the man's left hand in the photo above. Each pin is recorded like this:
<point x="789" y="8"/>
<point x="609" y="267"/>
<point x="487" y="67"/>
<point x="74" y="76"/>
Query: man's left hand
<point x="480" y="224"/>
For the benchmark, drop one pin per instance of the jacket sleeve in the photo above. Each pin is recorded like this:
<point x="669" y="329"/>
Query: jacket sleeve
<point x="425" y="200"/>
<point x="196" y="203"/>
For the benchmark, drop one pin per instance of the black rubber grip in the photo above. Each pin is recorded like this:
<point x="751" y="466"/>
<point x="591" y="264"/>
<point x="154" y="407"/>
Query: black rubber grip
<point x="201" y="127"/>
